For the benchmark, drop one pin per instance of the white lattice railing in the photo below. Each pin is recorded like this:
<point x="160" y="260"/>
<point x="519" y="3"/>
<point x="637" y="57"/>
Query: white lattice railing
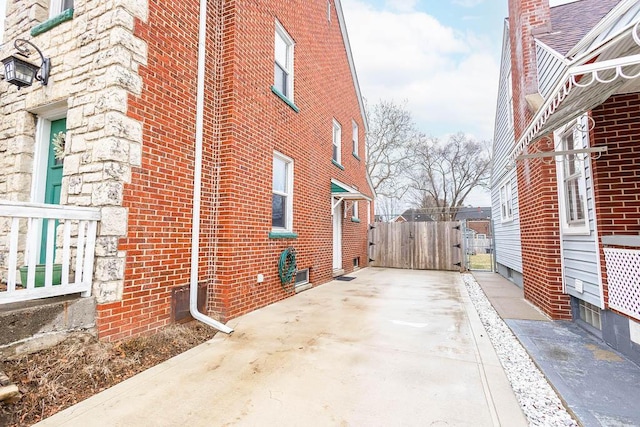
<point x="623" y="277"/>
<point x="68" y="257"/>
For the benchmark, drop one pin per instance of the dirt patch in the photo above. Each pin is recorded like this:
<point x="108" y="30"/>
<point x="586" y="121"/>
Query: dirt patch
<point x="54" y="379"/>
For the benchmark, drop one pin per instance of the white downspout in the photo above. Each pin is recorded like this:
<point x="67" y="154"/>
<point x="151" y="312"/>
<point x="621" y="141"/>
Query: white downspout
<point x="197" y="180"/>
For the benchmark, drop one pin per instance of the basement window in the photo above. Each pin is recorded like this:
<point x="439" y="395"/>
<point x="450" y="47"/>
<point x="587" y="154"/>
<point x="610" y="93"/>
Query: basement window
<point x="356" y="262"/>
<point x="302" y="277"/>
<point x="590" y="314"/>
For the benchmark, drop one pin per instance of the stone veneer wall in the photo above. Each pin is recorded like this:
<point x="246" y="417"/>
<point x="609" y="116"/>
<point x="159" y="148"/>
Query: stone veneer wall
<point x="95" y="59"/>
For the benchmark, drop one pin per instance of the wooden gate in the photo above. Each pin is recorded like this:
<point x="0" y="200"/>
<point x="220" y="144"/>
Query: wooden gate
<point x="416" y="245"/>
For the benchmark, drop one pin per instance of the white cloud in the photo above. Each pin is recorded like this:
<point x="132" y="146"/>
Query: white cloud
<point x="448" y="78"/>
<point x="401" y="5"/>
<point x="467" y="3"/>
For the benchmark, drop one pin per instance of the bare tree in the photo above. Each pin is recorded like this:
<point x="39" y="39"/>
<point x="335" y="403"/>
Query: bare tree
<point x="387" y="208"/>
<point x="443" y="174"/>
<point x="391" y="132"/>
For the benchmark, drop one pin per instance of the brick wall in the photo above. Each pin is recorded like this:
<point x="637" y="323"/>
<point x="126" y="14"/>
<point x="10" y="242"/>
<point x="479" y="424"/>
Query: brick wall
<point x="159" y="198"/>
<point x="255" y="123"/>
<point x="244" y="123"/>
<point x="616" y="174"/>
<point x="540" y="234"/>
<point x="526" y="18"/>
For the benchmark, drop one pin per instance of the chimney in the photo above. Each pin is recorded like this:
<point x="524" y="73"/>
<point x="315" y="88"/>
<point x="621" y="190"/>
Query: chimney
<point x="527" y="18"/>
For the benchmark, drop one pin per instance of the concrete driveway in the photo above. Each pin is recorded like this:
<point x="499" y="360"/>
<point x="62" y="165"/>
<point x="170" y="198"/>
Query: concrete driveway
<point x="390" y="348"/>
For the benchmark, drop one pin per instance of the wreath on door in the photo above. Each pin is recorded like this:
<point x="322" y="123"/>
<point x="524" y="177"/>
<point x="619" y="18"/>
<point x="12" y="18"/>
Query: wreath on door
<point x="58" y="142"/>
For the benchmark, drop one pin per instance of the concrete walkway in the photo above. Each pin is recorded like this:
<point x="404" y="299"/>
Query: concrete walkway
<point x="390" y="348"/>
<point x="598" y="385"/>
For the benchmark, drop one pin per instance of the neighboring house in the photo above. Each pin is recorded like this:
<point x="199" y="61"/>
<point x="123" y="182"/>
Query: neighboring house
<point x="193" y="144"/>
<point x="399" y="218"/>
<point x="475" y="218"/>
<point x="416" y="215"/>
<point x="566" y="163"/>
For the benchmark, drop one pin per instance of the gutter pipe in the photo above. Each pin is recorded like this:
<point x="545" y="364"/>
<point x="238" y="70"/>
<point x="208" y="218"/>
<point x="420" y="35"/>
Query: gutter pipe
<point x="197" y="179"/>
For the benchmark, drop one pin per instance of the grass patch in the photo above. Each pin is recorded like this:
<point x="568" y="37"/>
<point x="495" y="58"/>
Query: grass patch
<point x="480" y="262"/>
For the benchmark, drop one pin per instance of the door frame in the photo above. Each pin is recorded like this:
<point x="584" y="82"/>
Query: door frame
<point x="41" y="149"/>
<point x="336" y="213"/>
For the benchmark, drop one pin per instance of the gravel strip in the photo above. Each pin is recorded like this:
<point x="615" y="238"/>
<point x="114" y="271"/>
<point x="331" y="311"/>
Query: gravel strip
<point x="538" y="400"/>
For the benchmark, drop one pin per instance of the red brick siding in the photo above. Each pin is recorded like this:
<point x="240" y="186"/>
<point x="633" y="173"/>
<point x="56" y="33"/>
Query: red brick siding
<point x="616" y="174"/>
<point x="255" y="123"/>
<point x="159" y="198"/>
<point x="526" y="18"/>
<point x="540" y="234"/>
<point x="244" y="123"/>
<point x="480" y="226"/>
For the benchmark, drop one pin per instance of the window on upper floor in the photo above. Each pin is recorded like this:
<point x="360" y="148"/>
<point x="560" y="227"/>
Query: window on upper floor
<point x="282" y="194"/>
<point x="506" y="212"/>
<point x="573" y="181"/>
<point x="510" y="99"/>
<point x="337" y="142"/>
<point x="56" y="7"/>
<point x="354" y="134"/>
<point x="283" y="78"/>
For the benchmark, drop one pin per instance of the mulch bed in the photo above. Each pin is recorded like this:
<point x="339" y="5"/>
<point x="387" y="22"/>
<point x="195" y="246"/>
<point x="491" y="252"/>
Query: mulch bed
<point x="54" y="379"/>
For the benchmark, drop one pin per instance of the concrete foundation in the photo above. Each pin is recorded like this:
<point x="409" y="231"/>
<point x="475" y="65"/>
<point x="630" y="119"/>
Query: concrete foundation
<point x="33" y="325"/>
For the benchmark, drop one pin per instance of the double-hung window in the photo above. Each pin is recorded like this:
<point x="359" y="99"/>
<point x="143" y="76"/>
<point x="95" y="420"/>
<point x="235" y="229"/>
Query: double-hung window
<point x="58" y="6"/>
<point x="355" y="137"/>
<point x="282" y="196"/>
<point x="337" y="142"/>
<point x="573" y="182"/>
<point x="283" y="78"/>
<point x="506" y="211"/>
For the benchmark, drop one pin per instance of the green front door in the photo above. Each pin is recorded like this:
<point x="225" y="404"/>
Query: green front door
<point x="53" y="184"/>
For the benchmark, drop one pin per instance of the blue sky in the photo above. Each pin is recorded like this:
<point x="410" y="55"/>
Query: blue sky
<point x="441" y="57"/>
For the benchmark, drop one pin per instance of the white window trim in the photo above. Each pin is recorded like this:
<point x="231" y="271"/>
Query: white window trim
<point x="337" y="141"/>
<point x="288" y="194"/>
<point x="506" y="202"/>
<point x="355" y="213"/>
<point x="510" y="99"/>
<point x="354" y="136"/>
<point x="288" y="67"/>
<point x="56" y="7"/>
<point x="582" y="142"/>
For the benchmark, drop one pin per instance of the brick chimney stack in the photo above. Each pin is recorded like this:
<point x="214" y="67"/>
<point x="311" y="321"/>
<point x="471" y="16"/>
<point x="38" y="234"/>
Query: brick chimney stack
<point x="527" y="18"/>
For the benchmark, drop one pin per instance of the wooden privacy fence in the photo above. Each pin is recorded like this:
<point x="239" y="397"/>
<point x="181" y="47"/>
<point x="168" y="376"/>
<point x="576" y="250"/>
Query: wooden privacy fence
<point x="416" y="245"/>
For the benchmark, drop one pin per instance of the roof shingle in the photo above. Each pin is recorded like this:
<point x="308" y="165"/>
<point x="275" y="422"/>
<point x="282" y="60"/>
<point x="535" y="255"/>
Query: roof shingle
<point x="571" y="22"/>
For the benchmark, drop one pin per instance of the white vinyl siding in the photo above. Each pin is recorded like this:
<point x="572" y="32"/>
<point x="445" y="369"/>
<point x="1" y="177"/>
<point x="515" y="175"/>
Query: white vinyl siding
<point x="508" y="247"/>
<point x="580" y="254"/>
<point x="551" y="68"/>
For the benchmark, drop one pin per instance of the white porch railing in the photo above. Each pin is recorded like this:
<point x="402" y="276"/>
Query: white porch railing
<point x="68" y="266"/>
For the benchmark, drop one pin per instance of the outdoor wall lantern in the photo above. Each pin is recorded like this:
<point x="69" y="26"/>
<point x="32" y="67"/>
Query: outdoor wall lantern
<point x="20" y="72"/>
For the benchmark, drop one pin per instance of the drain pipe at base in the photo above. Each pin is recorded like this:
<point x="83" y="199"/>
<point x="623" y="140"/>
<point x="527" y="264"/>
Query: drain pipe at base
<point x="197" y="180"/>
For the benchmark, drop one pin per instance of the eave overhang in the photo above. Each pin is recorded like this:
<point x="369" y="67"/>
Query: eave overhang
<point x="343" y="191"/>
<point x="587" y="82"/>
